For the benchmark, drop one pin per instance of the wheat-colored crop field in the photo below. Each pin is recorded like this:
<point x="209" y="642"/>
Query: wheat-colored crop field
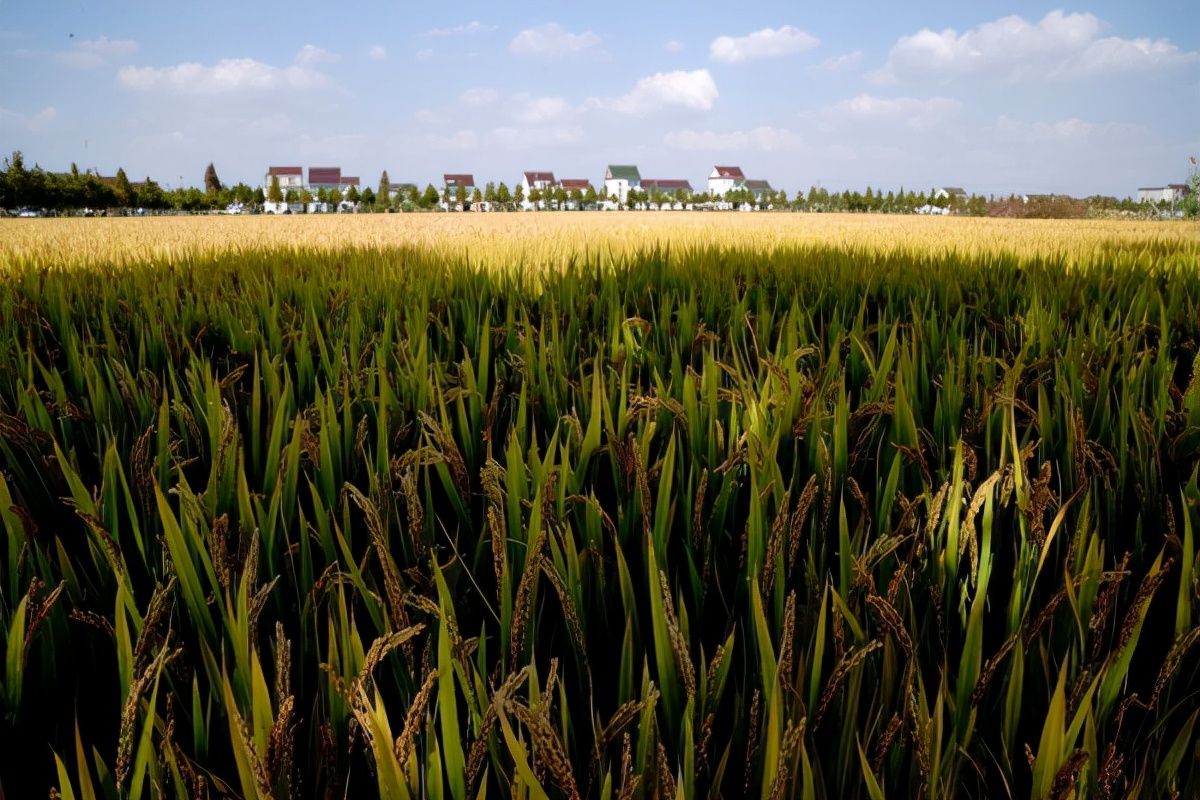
<point x="545" y="239"/>
<point x="630" y="505"/>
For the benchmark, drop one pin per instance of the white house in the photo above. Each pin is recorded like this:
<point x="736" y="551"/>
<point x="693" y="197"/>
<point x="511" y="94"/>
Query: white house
<point x="950" y="193"/>
<point x="723" y="180"/>
<point x="1171" y="193"/>
<point x="619" y="179"/>
<point x="330" y="179"/>
<point x="542" y="181"/>
<point x="289" y="178"/>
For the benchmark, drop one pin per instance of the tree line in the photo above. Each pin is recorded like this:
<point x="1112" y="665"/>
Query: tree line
<point x="36" y="188"/>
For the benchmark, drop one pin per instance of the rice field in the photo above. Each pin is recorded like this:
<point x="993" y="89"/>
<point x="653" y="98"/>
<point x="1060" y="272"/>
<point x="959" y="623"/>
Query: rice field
<point x="586" y="505"/>
<point x="525" y="240"/>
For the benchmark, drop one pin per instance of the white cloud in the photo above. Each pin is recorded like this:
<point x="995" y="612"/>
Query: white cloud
<point x="461" y="140"/>
<point x="762" y="138"/>
<point x="538" y="109"/>
<point x="694" y="89"/>
<point x="537" y="136"/>
<point x="1073" y="130"/>
<point x="424" y="54"/>
<point x="478" y="97"/>
<point x="311" y="54"/>
<point x="846" y="61"/>
<point x="1061" y="45"/>
<point x="552" y="41"/>
<point x="761" y="44"/>
<point x="673" y="46"/>
<point x="909" y="112"/>
<point x="92" y="53"/>
<point x="28" y="122"/>
<point x="427" y="116"/>
<point x="377" y="53"/>
<point x="231" y="75"/>
<point x="475" y="26"/>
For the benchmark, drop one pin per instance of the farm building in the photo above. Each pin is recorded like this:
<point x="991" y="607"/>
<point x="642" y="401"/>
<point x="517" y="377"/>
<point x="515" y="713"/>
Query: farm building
<point x="541" y="181"/>
<point x="1171" y="193"/>
<point x="619" y="179"/>
<point x="725" y="179"/>
<point x="330" y="179"/>
<point x="289" y="177"/>
<point x="668" y="186"/>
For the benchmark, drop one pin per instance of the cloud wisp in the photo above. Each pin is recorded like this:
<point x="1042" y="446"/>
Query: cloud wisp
<point x="695" y="90"/>
<point x="93" y="53"/>
<point x="1059" y="46"/>
<point x="552" y="41"/>
<point x="767" y="43"/>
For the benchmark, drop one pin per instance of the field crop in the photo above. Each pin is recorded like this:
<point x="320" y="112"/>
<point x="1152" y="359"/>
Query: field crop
<point x="623" y="506"/>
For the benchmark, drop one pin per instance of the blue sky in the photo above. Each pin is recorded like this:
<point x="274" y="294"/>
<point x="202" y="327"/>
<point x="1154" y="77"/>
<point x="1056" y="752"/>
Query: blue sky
<point x="994" y="97"/>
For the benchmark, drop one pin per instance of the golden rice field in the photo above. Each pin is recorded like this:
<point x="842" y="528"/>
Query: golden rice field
<point x="552" y="238"/>
<point x="628" y="506"/>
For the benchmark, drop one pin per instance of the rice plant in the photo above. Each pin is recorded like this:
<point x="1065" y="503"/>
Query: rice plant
<point x="681" y="520"/>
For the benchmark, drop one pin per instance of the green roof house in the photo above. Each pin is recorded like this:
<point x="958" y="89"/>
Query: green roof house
<point x="619" y="179"/>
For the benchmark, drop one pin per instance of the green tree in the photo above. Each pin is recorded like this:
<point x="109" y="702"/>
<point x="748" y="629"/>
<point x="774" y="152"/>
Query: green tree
<point x="1191" y="202"/>
<point x="503" y="196"/>
<point x="212" y="184"/>
<point x="519" y="196"/>
<point x="460" y="196"/>
<point x="368" y="197"/>
<point x="125" y="196"/>
<point x="489" y="193"/>
<point x="150" y="195"/>
<point x="385" y="189"/>
<point x="306" y="197"/>
<point x="429" y="198"/>
<point x="14" y="188"/>
<point x="274" y="193"/>
<point x="352" y="194"/>
<point x="259" y="197"/>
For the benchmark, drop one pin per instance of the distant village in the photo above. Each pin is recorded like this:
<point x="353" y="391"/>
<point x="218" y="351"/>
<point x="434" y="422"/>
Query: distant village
<point x="327" y="189"/>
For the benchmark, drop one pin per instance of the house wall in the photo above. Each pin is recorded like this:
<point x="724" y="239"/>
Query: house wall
<point x="618" y="186"/>
<point x="1158" y="194"/>
<point x="719" y="187"/>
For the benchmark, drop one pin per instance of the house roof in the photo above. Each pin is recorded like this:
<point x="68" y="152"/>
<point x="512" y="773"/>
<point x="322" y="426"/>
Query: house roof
<point x="666" y="184"/>
<point x="953" y="190"/>
<point x="539" y="177"/>
<point x="622" y="172"/>
<point x="460" y="179"/>
<point x="729" y="172"/>
<point x="331" y="175"/>
<point x="348" y="181"/>
<point x="285" y="171"/>
<point x="757" y="185"/>
<point x="582" y="184"/>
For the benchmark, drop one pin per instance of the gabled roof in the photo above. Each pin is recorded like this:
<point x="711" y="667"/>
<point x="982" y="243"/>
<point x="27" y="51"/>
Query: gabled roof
<point x="570" y="184"/>
<point x="286" y="171"/>
<point x="622" y="172"/>
<point x="757" y="185"/>
<point x="348" y="181"/>
<point x="460" y="179"/>
<point x="539" y="177"/>
<point x="330" y="175"/>
<point x="667" y="184"/>
<point x="954" y="191"/>
<point x="729" y="172"/>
